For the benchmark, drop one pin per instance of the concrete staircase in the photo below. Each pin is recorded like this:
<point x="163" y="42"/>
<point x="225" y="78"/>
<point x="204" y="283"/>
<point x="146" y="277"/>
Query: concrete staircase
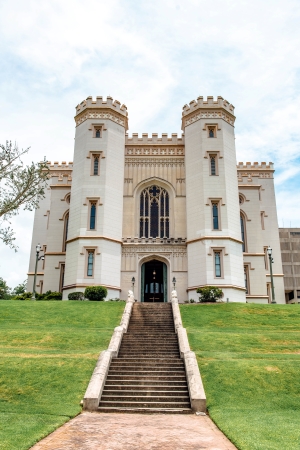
<point x="148" y="375"/>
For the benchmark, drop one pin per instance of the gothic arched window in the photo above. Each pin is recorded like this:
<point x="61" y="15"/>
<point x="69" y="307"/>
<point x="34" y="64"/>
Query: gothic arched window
<point x="243" y="231"/>
<point x="98" y="134"/>
<point x="65" y="235"/>
<point x="154" y="212"/>
<point x="211" y="133"/>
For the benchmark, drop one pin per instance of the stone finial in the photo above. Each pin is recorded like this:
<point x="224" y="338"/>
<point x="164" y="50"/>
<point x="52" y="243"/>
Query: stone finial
<point x="174" y="296"/>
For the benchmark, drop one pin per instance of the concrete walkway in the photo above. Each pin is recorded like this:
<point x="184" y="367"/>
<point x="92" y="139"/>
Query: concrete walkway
<point x="95" y="431"/>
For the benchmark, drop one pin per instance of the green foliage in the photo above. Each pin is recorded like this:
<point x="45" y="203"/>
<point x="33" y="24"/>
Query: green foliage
<point x="49" y="295"/>
<point x="96" y="293"/>
<point x="24" y="296"/>
<point x="20" y="289"/>
<point x="76" y="296"/>
<point x="20" y="187"/>
<point x="4" y="289"/>
<point x="48" y="353"/>
<point x="209" y="294"/>
<point x="248" y="356"/>
<point x="192" y="300"/>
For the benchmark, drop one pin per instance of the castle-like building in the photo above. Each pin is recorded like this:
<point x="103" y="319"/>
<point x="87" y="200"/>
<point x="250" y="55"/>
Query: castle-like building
<point x="152" y="211"/>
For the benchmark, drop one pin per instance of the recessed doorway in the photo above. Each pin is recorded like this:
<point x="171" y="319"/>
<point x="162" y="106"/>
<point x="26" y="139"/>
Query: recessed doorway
<point x="154" y="282"/>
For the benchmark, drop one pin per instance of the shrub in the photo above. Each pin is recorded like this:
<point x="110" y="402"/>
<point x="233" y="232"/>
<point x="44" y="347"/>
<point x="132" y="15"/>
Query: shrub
<point x="49" y="295"/>
<point x="24" y="296"/>
<point x="76" y="296"/>
<point x="209" y="294"/>
<point x="95" y="293"/>
<point x="192" y="300"/>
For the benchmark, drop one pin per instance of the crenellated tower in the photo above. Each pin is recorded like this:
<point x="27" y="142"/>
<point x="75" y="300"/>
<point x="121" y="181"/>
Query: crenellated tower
<point x="93" y="250"/>
<point x="214" y="244"/>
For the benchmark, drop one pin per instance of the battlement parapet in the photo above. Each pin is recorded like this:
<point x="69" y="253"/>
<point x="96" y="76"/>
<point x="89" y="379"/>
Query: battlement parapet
<point x="100" y="103"/>
<point x="255" y="166"/>
<point x="210" y="103"/>
<point x="57" y="165"/>
<point x="174" y="139"/>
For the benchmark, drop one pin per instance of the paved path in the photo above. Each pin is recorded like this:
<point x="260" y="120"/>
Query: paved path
<point x="93" y="431"/>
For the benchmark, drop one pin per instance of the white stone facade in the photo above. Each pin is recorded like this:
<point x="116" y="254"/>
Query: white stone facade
<point x="96" y="230"/>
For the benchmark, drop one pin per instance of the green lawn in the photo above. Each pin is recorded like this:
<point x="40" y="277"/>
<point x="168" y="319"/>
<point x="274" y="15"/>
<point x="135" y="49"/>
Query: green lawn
<point x="48" y="352"/>
<point x="249" y="358"/>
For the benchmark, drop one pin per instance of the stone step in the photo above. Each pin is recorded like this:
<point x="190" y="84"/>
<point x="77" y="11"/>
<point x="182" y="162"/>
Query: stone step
<point x="126" y="365"/>
<point x="145" y="410"/>
<point x="143" y="404"/>
<point x="146" y="383"/>
<point x="146" y="393"/>
<point x="147" y="377"/>
<point x="140" y="398"/>
<point x="156" y="371"/>
<point x="149" y="388"/>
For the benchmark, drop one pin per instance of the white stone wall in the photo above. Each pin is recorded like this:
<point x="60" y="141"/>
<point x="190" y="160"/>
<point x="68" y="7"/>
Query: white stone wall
<point x="107" y="190"/>
<point x="201" y="187"/>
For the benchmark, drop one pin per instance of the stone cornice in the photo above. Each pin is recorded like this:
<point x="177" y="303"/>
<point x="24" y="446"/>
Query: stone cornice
<point x="105" y="238"/>
<point x="102" y="113"/>
<point x="231" y="286"/>
<point x="215" y="114"/>
<point x="154" y="161"/>
<point x="205" y="238"/>
<point x="154" y="151"/>
<point x="76" y="285"/>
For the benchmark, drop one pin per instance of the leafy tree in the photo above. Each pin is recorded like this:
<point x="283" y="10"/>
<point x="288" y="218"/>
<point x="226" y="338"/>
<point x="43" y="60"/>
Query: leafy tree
<point x="209" y="294"/>
<point x="4" y="289"/>
<point x="20" y="186"/>
<point x="20" y="289"/>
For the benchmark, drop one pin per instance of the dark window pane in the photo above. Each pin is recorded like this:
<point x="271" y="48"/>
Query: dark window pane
<point x="215" y="216"/>
<point x="147" y="227"/>
<point x="93" y="217"/>
<point x="154" y="220"/>
<point x="146" y="212"/>
<point x="211" y="133"/>
<point x="141" y="227"/>
<point x="90" y="264"/>
<point x="218" y="264"/>
<point x="167" y="228"/>
<point x="162" y="234"/>
<point x="243" y="233"/>
<point x="96" y="166"/>
<point x="142" y="204"/>
<point x="167" y="204"/>
<point x="97" y="133"/>
<point x="213" y="166"/>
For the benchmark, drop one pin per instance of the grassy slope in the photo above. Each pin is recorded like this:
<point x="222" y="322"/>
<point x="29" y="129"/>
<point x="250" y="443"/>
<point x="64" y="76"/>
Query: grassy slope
<point x="47" y="355"/>
<point x="249" y="357"/>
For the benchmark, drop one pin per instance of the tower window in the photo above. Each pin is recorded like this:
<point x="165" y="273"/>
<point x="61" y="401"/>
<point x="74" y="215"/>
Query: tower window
<point x="213" y="165"/>
<point x="154" y="213"/>
<point x="211" y="133"/>
<point x="218" y="268"/>
<point x="90" y="263"/>
<point x="96" y="165"/>
<point x="65" y="235"/>
<point x="98" y="134"/>
<point x="246" y="278"/>
<point x="215" y="216"/>
<point x="243" y="231"/>
<point x="93" y="210"/>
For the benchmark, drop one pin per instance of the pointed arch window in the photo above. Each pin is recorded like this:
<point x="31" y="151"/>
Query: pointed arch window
<point x="93" y="216"/>
<point x="96" y="165"/>
<point x="98" y="134"/>
<point x="215" y="215"/>
<point x="154" y="213"/>
<point x="65" y="236"/>
<point x="243" y="231"/>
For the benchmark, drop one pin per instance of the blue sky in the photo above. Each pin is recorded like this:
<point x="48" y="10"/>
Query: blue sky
<point x="154" y="57"/>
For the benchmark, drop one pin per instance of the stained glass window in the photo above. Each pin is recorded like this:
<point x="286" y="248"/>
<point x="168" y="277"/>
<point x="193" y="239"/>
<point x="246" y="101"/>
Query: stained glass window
<point x="154" y="212"/>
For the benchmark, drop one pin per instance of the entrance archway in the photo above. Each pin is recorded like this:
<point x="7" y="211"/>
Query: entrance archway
<point x="154" y="281"/>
